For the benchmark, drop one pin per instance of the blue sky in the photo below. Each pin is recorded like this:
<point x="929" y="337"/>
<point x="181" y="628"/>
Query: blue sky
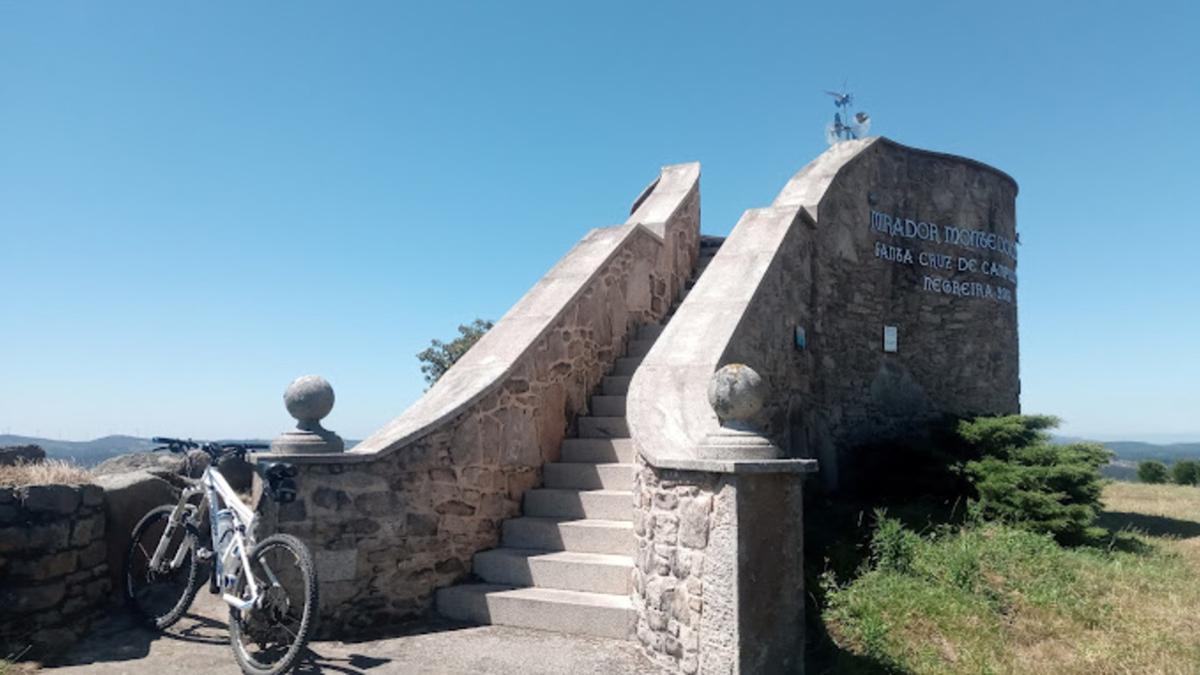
<point x="201" y="201"/>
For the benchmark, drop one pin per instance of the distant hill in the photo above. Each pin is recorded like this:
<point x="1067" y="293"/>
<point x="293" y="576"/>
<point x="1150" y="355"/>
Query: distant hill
<point x="1129" y="453"/>
<point x="86" y="453"/>
<point x="91" y="453"/>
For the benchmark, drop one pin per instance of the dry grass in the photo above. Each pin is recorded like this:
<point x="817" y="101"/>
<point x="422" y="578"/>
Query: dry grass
<point x="1001" y="601"/>
<point x="48" y="472"/>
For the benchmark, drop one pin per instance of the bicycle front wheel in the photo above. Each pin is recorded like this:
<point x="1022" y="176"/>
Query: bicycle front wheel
<point x="269" y="638"/>
<point x="160" y="594"/>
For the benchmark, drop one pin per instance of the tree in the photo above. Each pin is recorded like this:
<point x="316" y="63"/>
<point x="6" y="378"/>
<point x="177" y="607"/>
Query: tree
<point x="1185" y="472"/>
<point x="1152" y="472"/>
<point x="438" y="358"/>
<point x="1024" y="479"/>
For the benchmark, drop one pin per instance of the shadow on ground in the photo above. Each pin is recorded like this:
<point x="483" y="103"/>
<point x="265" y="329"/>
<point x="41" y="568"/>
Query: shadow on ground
<point x="122" y="638"/>
<point x="1155" y="526"/>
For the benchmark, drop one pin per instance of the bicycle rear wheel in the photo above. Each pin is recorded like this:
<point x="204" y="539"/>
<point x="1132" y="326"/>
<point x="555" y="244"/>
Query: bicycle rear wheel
<point x="160" y="595"/>
<point x="270" y="638"/>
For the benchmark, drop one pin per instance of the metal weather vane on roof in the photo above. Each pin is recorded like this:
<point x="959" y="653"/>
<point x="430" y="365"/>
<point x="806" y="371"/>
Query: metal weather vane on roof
<point x="846" y="126"/>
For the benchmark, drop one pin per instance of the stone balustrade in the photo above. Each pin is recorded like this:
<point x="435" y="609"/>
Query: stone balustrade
<point x="402" y="514"/>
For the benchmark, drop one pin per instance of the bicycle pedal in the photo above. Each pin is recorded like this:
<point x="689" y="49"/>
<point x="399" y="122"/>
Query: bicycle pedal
<point x="203" y="554"/>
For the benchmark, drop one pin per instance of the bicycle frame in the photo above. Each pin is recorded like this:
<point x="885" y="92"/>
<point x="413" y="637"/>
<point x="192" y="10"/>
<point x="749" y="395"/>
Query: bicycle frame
<point x="219" y="496"/>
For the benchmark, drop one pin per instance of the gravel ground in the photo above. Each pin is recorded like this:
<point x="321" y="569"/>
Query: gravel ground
<point x="199" y="643"/>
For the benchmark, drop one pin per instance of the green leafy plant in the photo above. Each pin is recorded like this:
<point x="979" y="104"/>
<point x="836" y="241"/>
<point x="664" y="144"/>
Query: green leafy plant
<point x="1152" y="472"/>
<point x="438" y="358"/>
<point x="1023" y="479"/>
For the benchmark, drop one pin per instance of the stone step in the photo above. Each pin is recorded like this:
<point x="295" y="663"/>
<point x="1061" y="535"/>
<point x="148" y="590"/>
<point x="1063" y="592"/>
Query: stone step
<point x="565" y="503"/>
<point x="597" y="614"/>
<point x="608" y="406"/>
<point x="598" y="450"/>
<point x="626" y="365"/>
<point x="615" y="385"/>
<point x="603" y="427"/>
<point x="583" y="536"/>
<point x="639" y="347"/>
<point x="565" y="570"/>
<point x="579" y="476"/>
<point x="650" y="331"/>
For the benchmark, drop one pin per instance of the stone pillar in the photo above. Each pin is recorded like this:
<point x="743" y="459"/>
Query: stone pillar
<point x="719" y="575"/>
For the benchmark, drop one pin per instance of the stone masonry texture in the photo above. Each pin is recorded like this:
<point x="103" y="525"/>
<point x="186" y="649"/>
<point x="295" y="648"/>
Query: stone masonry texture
<point x="53" y="566"/>
<point x="843" y="281"/>
<point x="674" y="518"/>
<point x="388" y="532"/>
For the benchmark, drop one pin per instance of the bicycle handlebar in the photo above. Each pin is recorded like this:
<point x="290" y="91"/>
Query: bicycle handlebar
<point x="213" y="449"/>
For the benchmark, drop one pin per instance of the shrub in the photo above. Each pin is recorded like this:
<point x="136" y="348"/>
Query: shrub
<point x="1185" y="472"/>
<point x="1152" y="472"/>
<point x="892" y="546"/>
<point x="1023" y="479"/>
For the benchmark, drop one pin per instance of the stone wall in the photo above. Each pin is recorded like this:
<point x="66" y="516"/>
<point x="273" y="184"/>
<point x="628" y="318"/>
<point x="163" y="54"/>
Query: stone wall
<point x="957" y="352"/>
<point x="404" y="513"/>
<point x="718" y="582"/>
<point x="53" y="565"/>
<point x="674" y="516"/>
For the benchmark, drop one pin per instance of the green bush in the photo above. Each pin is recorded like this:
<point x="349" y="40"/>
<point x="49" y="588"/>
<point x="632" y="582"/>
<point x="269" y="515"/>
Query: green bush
<point x="1023" y="479"/>
<point x="1185" y="472"/>
<point x="1152" y="472"/>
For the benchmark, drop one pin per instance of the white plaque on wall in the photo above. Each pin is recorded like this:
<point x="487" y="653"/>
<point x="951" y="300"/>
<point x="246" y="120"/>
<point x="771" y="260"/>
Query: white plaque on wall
<point x="889" y="339"/>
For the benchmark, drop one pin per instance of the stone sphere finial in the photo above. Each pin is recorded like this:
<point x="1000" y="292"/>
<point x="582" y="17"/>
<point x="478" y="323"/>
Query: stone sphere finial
<point x="309" y="398"/>
<point x="737" y="393"/>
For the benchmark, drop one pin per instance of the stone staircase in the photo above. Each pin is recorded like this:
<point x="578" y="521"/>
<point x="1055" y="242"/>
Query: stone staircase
<point x="566" y="564"/>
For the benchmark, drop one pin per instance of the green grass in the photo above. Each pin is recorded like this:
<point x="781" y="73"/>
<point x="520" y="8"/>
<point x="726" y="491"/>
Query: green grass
<point x="994" y="599"/>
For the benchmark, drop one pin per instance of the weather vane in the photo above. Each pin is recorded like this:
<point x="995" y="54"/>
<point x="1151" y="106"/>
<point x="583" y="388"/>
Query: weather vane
<point x="845" y="126"/>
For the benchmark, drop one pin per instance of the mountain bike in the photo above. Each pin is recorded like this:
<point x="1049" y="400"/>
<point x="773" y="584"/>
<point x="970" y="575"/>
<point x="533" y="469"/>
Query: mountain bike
<point x="269" y="585"/>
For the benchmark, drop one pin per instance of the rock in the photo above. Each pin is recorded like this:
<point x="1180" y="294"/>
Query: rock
<point x="26" y="599"/>
<point x="142" y="461"/>
<point x="53" y="536"/>
<point x="334" y="500"/>
<point x="87" y="529"/>
<point x="128" y="497"/>
<point x="421" y="525"/>
<point x="56" y="499"/>
<point x="21" y="454"/>
<point x="45" y="567"/>
<point x="693" y="530"/>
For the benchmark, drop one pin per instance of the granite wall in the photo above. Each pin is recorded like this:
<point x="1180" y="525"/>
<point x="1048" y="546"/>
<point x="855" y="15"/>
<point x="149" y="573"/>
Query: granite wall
<point x="919" y="241"/>
<point x="674" y="516"/>
<point x="404" y="513"/>
<point x="719" y="577"/>
<point x="53" y="566"/>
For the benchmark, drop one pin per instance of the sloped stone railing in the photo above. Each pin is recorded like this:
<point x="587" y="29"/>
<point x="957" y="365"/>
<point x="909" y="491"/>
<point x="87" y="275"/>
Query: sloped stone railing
<point x="741" y="310"/>
<point x="402" y="513"/>
<point x="718" y="580"/>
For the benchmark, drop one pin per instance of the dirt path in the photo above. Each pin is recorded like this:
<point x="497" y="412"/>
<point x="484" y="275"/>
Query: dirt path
<point x="199" y="644"/>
